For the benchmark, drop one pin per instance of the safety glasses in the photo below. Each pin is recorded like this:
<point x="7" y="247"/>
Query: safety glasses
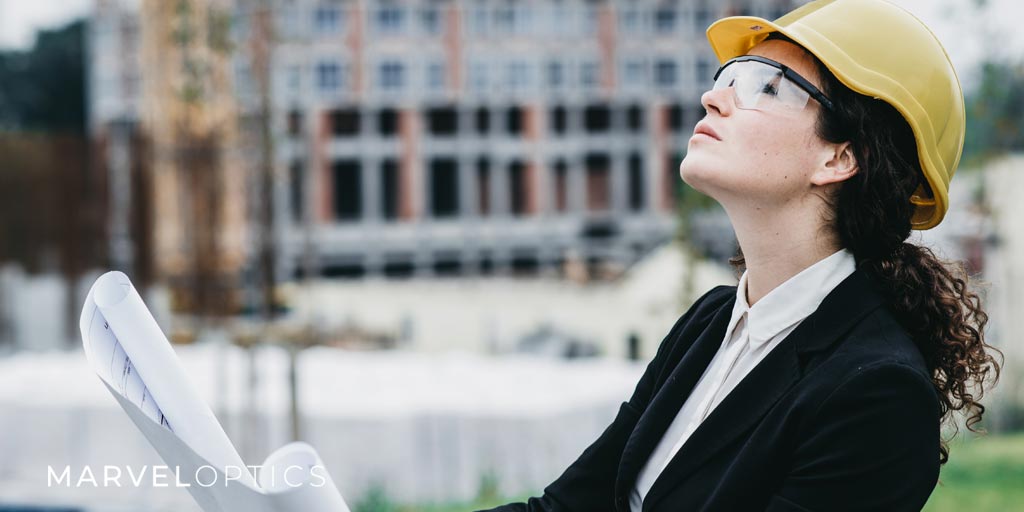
<point x="763" y="84"/>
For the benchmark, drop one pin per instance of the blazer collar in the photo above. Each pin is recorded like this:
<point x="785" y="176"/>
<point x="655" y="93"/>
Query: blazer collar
<point x="790" y="301"/>
<point x="744" y="407"/>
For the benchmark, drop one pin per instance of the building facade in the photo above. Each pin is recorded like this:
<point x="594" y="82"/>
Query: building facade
<point x="458" y="137"/>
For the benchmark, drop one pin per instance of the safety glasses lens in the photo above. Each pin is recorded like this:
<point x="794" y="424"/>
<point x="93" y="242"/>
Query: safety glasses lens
<point x="759" y="86"/>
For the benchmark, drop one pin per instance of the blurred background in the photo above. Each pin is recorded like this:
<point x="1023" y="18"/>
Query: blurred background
<point x="437" y="239"/>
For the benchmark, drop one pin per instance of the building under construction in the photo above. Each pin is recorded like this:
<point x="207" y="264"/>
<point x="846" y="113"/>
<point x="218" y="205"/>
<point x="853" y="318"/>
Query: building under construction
<point x="428" y="137"/>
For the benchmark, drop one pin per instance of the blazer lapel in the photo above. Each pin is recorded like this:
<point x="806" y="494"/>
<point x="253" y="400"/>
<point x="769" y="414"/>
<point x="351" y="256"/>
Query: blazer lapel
<point x="669" y="398"/>
<point x="752" y="398"/>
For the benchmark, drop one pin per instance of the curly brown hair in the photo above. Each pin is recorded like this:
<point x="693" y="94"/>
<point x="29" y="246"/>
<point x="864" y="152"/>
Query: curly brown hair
<point x="871" y="216"/>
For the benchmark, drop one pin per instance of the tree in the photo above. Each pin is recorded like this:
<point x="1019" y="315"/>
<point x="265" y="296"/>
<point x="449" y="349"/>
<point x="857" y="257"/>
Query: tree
<point x="52" y="204"/>
<point x="43" y="89"/>
<point x="995" y="113"/>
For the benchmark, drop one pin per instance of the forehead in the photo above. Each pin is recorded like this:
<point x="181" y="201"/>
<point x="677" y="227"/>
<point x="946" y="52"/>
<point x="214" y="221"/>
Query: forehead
<point x="790" y="55"/>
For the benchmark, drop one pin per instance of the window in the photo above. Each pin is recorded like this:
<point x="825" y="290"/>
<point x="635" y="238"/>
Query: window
<point x="504" y="18"/>
<point x="597" y="165"/>
<point x="636" y="182"/>
<point x="514" y="120"/>
<point x="517" y="75"/>
<point x="635" y="73"/>
<point x="391" y="75"/>
<point x="294" y="123"/>
<point x="675" y="117"/>
<point x="555" y="72"/>
<point x="296" y="177"/>
<point x="703" y="17"/>
<point x="591" y="20"/>
<point x="291" y="24"/>
<point x="389" y="19"/>
<point x="294" y="79"/>
<point x="240" y="24"/>
<point x="389" y="188"/>
<point x="558" y="119"/>
<point x="478" y="21"/>
<point x="483" y="120"/>
<point x="631" y="19"/>
<point x="665" y="19"/>
<point x="704" y="73"/>
<point x="435" y="75"/>
<point x="347" y="189"/>
<point x="442" y="121"/>
<point x="345" y="122"/>
<point x="589" y="71"/>
<point x="635" y="118"/>
<point x="328" y="76"/>
<point x="245" y="83"/>
<point x="597" y="118"/>
<point x="665" y="73"/>
<point x="483" y="183"/>
<point x="561" y="185"/>
<point x="517" y="188"/>
<point x="560" y="20"/>
<point x="430" y="20"/>
<point x="387" y="122"/>
<point x="478" y="76"/>
<point x="672" y="185"/>
<point x="327" y="19"/>
<point x="444" y="187"/>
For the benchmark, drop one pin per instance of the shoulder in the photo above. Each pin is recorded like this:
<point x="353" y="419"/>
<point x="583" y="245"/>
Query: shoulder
<point x="877" y="366"/>
<point x="879" y="341"/>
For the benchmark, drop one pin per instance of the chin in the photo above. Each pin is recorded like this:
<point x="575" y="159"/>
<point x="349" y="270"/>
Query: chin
<point x="695" y="173"/>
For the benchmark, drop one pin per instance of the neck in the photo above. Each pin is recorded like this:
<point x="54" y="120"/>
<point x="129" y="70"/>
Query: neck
<point x="778" y="246"/>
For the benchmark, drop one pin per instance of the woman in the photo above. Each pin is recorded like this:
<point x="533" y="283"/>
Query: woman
<point x="821" y="381"/>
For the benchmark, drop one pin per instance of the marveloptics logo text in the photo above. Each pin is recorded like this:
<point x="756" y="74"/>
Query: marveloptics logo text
<point x="161" y="476"/>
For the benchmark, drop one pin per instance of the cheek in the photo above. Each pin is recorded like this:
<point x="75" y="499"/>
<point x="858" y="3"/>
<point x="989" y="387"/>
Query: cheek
<point x="787" y="149"/>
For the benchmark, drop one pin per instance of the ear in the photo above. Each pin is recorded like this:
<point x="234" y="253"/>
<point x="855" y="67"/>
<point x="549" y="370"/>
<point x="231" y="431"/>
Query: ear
<point x="839" y="164"/>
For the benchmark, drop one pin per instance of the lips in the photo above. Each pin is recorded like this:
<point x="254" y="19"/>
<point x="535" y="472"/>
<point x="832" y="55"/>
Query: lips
<point x="703" y="128"/>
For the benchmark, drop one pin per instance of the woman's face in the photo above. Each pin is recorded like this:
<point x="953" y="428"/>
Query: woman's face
<point x="762" y="159"/>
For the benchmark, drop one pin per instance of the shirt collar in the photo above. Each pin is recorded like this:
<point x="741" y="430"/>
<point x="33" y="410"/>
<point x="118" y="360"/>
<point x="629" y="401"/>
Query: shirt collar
<point x="791" y="301"/>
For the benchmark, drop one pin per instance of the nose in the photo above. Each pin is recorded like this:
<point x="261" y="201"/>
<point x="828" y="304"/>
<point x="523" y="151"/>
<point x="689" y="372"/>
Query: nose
<point x="719" y="100"/>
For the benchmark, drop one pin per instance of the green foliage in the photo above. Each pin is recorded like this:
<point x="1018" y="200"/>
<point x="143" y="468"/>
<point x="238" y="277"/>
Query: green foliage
<point x="219" y="31"/>
<point x="983" y="474"/>
<point x="375" y="500"/>
<point x="995" y="113"/>
<point x="489" y="491"/>
<point x="488" y="496"/>
<point x="43" y="89"/>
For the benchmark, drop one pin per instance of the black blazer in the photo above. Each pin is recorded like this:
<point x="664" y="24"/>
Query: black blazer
<point x="841" y="415"/>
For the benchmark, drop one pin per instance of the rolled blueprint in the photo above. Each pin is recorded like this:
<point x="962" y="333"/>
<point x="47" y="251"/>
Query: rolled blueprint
<point x="294" y="478"/>
<point x="154" y="363"/>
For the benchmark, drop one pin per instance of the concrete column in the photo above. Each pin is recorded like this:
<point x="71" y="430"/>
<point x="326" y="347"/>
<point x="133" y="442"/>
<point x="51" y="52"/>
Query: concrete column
<point x="576" y="195"/>
<point x="498" y="185"/>
<point x="370" y="189"/>
<point x="321" y="165"/>
<point x="619" y="182"/>
<point x="468" y="196"/>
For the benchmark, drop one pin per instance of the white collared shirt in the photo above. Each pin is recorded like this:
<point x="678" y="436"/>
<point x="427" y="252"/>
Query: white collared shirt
<point x="752" y="333"/>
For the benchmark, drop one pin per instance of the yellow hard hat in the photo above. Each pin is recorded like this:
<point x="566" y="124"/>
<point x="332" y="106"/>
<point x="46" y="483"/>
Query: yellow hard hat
<point x="879" y="50"/>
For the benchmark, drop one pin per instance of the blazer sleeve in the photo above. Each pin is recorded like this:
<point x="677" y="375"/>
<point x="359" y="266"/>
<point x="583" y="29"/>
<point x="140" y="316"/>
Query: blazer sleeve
<point x="588" y="485"/>
<point x="872" y="445"/>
